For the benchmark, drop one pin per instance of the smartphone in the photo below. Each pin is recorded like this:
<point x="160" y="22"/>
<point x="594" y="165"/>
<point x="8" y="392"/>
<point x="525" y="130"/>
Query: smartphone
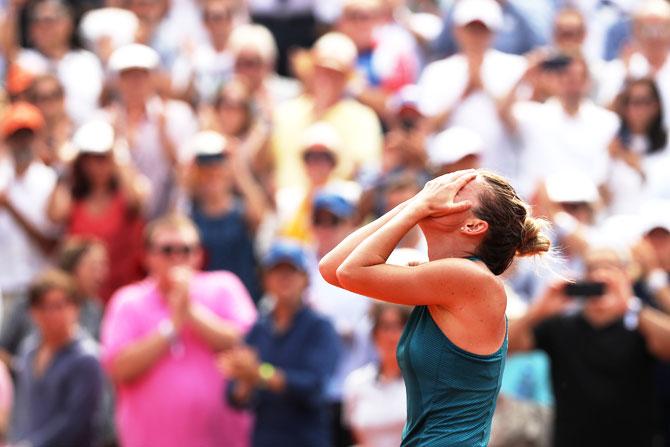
<point x="555" y="63"/>
<point x="585" y="289"/>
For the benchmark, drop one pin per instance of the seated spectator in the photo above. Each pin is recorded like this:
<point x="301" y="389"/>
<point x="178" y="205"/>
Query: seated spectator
<point x="320" y="158"/>
<point x="47" y="94"/>
<point x="357" y="126"/>
<point x="227" y="222"/>
<point x="160" y="339"/>
<point x="282" y="371"/>
<point x="51" y="32"/>
<point x="27" y="236"/>
<point x="104" y="199"/>
<point x="601" y="357"/>
<point x="641" y="141"/>
<point x="155" y="130"/>
<point x="59" y="379"/>
<point x="374" y="395"/>
<point x="86" y="262"/>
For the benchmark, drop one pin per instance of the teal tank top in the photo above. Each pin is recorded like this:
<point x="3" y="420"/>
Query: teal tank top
<point x="451" y="393"/>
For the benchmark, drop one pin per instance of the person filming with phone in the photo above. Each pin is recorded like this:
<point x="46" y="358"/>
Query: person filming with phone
<point x="602" y="343"/>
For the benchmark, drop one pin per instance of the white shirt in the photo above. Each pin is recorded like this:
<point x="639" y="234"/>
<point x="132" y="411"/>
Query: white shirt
<point x="554" y="142"/>
<point x="376" y="410"/>
<point x="208" y="68"/>
<point x="79" y="71"/>
<point x="442" y="85"/>
<point x="20" y="258"/>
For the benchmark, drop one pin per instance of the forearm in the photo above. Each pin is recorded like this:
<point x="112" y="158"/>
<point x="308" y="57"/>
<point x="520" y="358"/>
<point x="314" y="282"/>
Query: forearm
<point x="45" y="243"/>
<point x="655" y="327"/>
<point x="136" y="359"/>
<point x="218" y="334"/>
<point x="520" y="338"/>
<point x="331" y="262"/>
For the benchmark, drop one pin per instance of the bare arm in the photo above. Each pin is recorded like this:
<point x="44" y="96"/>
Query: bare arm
<point x="655" y="327"/>
<point x="254" y="196"/>
<point x="45" y="243"/>
<point x="139" y="357"/>
<point x="218" y="334"/>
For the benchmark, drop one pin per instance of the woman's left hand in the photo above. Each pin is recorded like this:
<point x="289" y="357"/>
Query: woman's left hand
<point x="437" y="198"/>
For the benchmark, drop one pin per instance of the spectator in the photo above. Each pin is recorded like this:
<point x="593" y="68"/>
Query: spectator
<point x="227" y="222"/>
<point x="26" y="233"/>
<point x="47" y="94"/>
<point x="569" y="32"/>
<point x="86" y="262"/>
<point x="333" y="218"/>
<point x="515" y="36"/>
<point x="641" y="141"/>
<point x="6" y="399"/>
<point x="199" y="72"/>
<point x="387" y="54"/>
<point x="320" y="156"/>
<point x="479" y="77"/>
<point x="161" y="333"/>
<point x="58" y="376"/>
<point x="601" y="357"/>
<point x="374" y="395"/>
<point x="51" y="33"/>
<point x="455" y="149"/>
<point x="104" y="199"/>
<point x="155" y="130"/>
<point x="359" y="129"/>
<point x="288" y="358"/>
<point x="566" y="133"/>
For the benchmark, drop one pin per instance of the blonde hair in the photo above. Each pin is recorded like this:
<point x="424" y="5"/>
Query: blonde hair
<point x="512" y="230"/>
<point x="256" y="38"/>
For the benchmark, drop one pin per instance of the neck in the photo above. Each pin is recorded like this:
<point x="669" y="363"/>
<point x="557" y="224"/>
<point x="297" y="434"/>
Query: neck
<point x="571" y="105"/>
<point x="55" y="342"/>
<point x="219" y="42"/>
<point x="55" y="52"/>
<point x="440" y="247"/>
<point x="283" y="314"/>
<point x="388" y="367"/>
<point x="21" y="168"/>
<point x="656" y="59"/>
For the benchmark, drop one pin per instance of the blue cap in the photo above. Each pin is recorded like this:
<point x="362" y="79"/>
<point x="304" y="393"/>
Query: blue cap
<point x="288" y="252"/>
<point x="334" y="203"/>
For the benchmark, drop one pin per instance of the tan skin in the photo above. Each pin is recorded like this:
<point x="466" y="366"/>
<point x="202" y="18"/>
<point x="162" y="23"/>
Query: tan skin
<point x="173" y="275"/>
<point x="602" y="266"/>
<point x="464" y="298"/>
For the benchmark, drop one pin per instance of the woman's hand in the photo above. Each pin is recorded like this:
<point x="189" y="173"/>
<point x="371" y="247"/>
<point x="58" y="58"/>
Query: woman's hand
<point x="437" y="198"/>
<point x="240" y="363"/>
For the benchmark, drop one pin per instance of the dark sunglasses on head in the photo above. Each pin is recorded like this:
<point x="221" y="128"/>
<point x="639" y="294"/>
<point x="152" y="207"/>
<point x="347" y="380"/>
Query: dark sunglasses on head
<point x="318" y="156"/>
<point x="173" y="249"/>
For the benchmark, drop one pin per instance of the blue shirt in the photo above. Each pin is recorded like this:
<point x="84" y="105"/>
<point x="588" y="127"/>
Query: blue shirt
<point x="307" y="354"/>
<point x="59" y="408"/>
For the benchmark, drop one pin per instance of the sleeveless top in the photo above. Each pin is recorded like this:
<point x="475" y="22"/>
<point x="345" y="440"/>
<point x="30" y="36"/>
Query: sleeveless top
<point x="451" y="393"/>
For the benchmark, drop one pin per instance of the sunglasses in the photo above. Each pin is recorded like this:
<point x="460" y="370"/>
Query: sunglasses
<point x="326" y="220"/>
<point x="46" y="19"/>
<point x="243" y="62"/>
<point x="218" y="16"/>
<point x="211" y="159"/>
<point x="640" y="101"/>
<point x="169" y="250"/>
<point x="318" y="157"/>
<point x="48" y="96"/>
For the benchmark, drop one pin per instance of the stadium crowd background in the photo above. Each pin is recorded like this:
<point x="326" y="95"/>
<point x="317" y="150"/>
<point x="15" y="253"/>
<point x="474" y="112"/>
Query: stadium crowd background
<point x="172" y="171"/>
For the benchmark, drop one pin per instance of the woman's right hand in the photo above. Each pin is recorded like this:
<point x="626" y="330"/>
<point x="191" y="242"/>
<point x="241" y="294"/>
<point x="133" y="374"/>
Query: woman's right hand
<point x="437" y="198"/>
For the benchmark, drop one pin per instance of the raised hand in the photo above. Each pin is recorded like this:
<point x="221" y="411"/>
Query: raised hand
<point x="437" y="198"/>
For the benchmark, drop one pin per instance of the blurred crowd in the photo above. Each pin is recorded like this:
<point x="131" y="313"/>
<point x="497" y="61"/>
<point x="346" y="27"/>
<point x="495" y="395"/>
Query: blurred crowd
<point x="171" y="172"/>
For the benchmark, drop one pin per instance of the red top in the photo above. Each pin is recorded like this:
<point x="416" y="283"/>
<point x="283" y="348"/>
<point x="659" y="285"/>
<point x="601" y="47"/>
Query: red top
<point x="120" y="229"/>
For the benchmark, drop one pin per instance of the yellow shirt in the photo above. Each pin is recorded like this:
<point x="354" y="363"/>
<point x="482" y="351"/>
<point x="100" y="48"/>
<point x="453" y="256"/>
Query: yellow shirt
<point x="356" y="124"/>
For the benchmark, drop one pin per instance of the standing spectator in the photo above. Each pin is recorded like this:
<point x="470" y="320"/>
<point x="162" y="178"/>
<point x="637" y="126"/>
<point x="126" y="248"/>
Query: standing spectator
<point x="478" y="77"/>
<point x="51" y="33"/>
<point x="26" y="233"/>
<point x="227" y="222"/>
<point x="601" y="357"/>
<point x="6" y="400"/>
<point x="374" y="395"/>
<point x="47" y="94"/>
<point x="387" y="54"/>
<point x="58" y="375"/>
<point x="358" y="127"/>
<point x="160" y="338"/>
<point x="515" y="36"/>
<point x="565" y="133"/>
<point x="333" y="218"/>
<point x="289" y="356"/>
<point x="155" y="130"/>
<point x="641" y="141"/>
<point x="198" y="72"/>
<point x="104" y="200"/>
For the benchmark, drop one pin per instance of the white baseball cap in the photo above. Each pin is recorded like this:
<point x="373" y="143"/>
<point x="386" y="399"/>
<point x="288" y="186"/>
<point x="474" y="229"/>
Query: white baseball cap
<point x="94" y="137"/>
<point x="336" y="51"/>
<point x="452" y="145"/>
<point x="655" y="214"/>
<point x="321" y="134"/>
<point x="120" y="25"/>
<point x="486" y="11"/>
<point x="133" y="55"/>
<point x="208" y="143"/>
<point x="571" y="187"/>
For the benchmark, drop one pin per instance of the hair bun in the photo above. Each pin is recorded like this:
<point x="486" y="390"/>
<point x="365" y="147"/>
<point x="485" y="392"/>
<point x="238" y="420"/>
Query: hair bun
<point x="533" y="240"/>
